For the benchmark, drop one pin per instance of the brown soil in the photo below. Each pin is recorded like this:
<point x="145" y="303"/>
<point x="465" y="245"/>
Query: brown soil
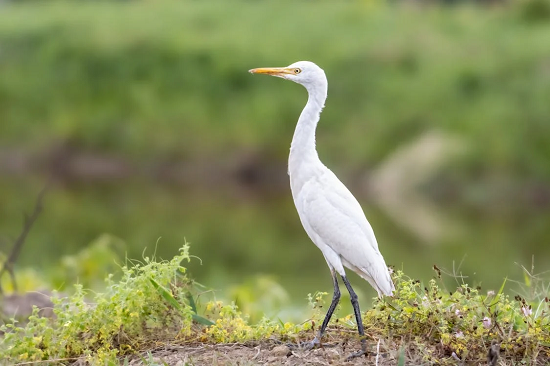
<point x="264" y="353"/>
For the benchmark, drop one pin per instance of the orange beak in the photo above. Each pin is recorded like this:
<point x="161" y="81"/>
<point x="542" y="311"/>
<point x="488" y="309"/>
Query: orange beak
<point x="273" y="71"/>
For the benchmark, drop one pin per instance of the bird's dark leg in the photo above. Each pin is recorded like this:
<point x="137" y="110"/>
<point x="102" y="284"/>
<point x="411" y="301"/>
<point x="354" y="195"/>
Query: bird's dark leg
<point x="332" y="307"/>
<point x="335" y="299"/>
<point x="357" y="311"/>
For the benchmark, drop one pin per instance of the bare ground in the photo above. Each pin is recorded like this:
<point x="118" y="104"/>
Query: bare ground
<point x="263" y="353"/>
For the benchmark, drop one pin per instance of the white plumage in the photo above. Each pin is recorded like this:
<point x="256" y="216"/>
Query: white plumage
<point x="330" y="214"/>
<point x="335" y="222"/>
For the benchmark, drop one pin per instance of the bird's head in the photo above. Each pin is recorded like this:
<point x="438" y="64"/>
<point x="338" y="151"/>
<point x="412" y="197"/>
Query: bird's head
<point x="302" y="72"/>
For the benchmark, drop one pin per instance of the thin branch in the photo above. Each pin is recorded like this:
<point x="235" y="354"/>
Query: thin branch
<point x="28" y="222"/>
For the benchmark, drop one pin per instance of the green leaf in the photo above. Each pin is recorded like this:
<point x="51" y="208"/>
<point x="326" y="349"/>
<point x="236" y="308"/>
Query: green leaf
<point x="497" y="297"/>
<point x="192" y="303"/>
<point x="199" y="319"/>
<point x="401" y="360"/>
<point x="167" y="295"/>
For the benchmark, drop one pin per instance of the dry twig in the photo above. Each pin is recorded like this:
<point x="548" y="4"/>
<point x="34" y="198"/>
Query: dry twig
<point x="28" y="222"/>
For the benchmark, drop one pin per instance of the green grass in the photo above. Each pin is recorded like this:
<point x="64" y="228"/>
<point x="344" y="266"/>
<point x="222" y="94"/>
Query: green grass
<point x="155" y="303"/>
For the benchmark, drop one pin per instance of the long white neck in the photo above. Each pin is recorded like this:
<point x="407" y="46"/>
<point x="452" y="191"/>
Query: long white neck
<point x="303" y="160"/>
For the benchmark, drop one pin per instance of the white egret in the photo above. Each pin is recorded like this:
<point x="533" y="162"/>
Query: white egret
<point x="329" y="213"/>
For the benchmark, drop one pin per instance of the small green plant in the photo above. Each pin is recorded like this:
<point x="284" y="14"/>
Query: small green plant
<point x="463" y="323"/>
<point x="129" y="314"/>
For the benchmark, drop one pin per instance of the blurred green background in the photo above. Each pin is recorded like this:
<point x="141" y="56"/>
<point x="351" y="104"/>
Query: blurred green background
<point x="144" y="114"/>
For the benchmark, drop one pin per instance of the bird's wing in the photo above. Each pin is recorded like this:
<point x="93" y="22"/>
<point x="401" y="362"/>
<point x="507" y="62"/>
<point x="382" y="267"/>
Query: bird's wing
<point x="335" y="217"/>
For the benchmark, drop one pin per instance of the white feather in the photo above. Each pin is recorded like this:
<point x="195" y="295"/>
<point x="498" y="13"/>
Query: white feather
<point x="330" y="214"/>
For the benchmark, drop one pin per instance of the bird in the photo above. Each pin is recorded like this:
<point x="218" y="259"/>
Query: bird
<point x="330" y="214"/>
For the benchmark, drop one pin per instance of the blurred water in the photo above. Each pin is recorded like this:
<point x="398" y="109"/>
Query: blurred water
<point x="239" y="235"/>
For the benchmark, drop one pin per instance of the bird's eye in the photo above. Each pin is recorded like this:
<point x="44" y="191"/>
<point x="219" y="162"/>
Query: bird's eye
<point x="297" y="71"/>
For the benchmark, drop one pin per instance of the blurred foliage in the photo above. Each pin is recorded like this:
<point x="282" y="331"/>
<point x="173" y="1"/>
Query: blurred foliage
<point x="27" y="279"/>
<point x="260" y="296"/>
<point x="88" y="265"/>
<point x="169" y="78"/>
<point x="536" y="10"/>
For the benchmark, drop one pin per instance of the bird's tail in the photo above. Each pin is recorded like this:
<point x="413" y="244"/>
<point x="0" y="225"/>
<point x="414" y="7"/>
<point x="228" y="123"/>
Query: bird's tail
<point x="382" y="283"/>
<point x="378" y="277"/>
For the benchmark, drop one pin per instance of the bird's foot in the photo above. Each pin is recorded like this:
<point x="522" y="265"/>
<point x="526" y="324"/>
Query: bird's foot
<point x="315" y="343"/>
<point x="356" y="354"/>
<point x="308" y="346"/>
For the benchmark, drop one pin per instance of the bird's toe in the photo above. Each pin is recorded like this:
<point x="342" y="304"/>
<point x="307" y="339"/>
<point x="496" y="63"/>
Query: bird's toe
<point x="315" y="343"/>
<point x="356" y="354"/>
